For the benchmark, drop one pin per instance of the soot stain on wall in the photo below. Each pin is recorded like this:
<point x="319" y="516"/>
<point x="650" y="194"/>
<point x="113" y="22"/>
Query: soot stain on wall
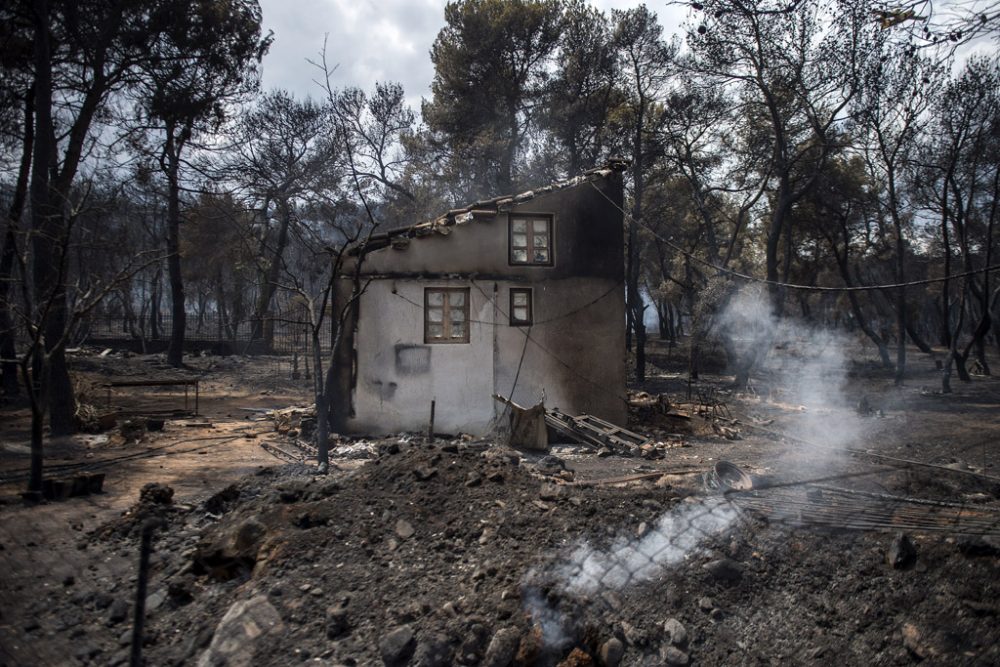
<point x="413" y="359"/>
<point x="385" y="390"/>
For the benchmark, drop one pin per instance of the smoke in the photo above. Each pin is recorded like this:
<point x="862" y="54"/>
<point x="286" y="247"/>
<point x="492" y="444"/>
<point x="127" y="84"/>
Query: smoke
<point x="800" y="368"/>
<point x="676" y="536"/>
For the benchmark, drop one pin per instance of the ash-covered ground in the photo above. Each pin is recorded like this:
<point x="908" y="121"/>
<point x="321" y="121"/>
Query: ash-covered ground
<point x="440" y="554"/>
<point x="466" y="552"/>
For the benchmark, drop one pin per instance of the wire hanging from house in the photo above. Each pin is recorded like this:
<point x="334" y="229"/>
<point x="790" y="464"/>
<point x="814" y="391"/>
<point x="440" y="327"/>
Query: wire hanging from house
<point x="795" y="286"/>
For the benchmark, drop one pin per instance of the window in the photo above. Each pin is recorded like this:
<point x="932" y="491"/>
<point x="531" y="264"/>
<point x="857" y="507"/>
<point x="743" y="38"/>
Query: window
<point x="446" y="315"/>
<point x="520" y="306"/>
<point x="531" y="240"/>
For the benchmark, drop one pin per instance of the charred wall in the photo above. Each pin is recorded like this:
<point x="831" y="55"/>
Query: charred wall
<point x="572" y="355"/>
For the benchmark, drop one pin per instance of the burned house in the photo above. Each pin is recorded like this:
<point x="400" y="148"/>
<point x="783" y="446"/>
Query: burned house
<point x="521" y="296"/>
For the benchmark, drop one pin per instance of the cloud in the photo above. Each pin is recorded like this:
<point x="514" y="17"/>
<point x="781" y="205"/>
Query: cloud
<point x="369" y="41"/>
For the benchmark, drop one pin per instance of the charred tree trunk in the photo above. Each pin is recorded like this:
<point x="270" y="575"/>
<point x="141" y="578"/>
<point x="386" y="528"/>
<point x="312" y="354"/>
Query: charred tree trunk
<point x="773" y="242"/>
<point x="953" y="355"/>
<point x="8" y="333"/>
<point x="917" y="339"/>
<point x="633" y="299"/>
<point x="900" y="305"/>
<point x="155" y="317"/>
<point x="41" y="214"/>
<point x="880" y="342"/>
<point x="171" y="161"/>
<point x="269" y="281"/>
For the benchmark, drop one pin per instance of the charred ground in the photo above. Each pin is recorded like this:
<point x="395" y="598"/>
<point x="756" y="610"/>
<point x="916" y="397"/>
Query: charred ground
<point x="456" y="551"/>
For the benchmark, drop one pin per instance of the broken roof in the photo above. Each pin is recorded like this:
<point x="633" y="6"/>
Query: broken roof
<point x="486" y="208"/>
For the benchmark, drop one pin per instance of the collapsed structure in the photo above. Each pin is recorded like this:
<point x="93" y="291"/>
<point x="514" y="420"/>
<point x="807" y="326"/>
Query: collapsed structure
<point x="521" y="296"/>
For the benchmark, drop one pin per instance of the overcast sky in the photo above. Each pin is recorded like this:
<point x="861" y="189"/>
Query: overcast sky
<point x="371" y="40"/>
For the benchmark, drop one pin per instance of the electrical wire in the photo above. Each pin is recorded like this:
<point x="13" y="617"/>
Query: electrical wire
<point x="777" y="283"/>
<point x="528" y="337"/>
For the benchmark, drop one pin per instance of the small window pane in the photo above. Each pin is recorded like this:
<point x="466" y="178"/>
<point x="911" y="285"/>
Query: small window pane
<point x="458" y="330"/>
<point x="435" y="298"/>
<point x="521" y="313"/>
<point x="519" y="241"/>
<point x="456" y="298"/>
<point x="435" y="315"/>
<point x="541" y="255"/>
<point x="520" y="299"/>
<point x="457" y="315"/>
<point x="541" y="241"/>
<point x="435" y="330"/>
<point x="520" y="255"/>
<point x="540" y="226"/>
<point x="520" y="226"/>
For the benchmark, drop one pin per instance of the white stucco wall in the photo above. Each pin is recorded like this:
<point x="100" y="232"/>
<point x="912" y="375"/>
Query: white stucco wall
<point x="394" y="389"/>
<point x="574" y="357"/>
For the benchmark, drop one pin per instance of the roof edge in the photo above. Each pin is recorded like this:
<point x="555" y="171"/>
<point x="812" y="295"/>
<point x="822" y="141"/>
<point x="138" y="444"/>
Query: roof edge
<point x="485" y="208"/>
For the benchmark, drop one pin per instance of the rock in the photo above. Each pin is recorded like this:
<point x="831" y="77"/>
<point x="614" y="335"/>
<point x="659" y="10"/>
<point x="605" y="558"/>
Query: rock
<point x="404" y="529"/>
<point x="83" y="652"/>
<point x="914" y="642"/>
<point x="676" y="632"/>
<point x="424" y="473"/>
<point x="156" y="494"/>
<point x="397" y="647"/>
<point x="724" y="569"/>
<point x="180" y="591"/>
<point x="706" y="604"/>
<point x="502" y="648"/>
<point x="496" y="476"/>
<point x="551" y="464"/>
<point x="902" y="553"/>
<point x="529" y="647"/>
<point x="155" y="601"/>
<point x="337" y="624"/>
<point x="633" y="635"/>
<point x="118" y="612"/>
<point x="245" y="625"/>
<point x="475" y="642"/>
<point x="291" y="492"/>
<point x="611" y="652"/>
<point x="473" y="479"/>
<point x="435" y="652"/>
<point x="577" y="658"/>
<point x="672" y="655"/>
<point x="232" y="553"/>
<point x="973" y="546"/>
<point x="551" y="492"/>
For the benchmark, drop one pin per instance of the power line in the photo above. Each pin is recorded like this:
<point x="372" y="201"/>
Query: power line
<point x="528" y="337"/>
<point x="777" y="283"/>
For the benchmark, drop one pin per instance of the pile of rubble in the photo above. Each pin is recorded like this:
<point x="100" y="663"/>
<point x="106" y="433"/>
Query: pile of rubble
<point x="442" y="554"/>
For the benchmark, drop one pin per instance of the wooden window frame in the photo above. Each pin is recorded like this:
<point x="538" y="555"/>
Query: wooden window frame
<point x="530" y="234"/>
<point x="446" y="320"/>
<point x="515" y="321"/>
